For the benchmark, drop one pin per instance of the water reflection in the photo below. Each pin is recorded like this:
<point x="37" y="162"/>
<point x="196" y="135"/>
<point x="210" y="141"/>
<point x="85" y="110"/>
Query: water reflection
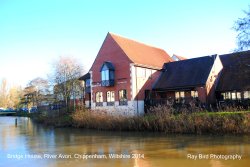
<point x="157" y="149"/>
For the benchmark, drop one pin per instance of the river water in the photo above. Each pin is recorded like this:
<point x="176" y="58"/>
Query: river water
<point x="30" y="144"/>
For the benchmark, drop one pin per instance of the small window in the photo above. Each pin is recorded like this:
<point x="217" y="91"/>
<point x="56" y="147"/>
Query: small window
<point x="223" y="95"/>
<point x="110" y="98"/>
<point x="98" y="98"/>
<point x="246" y="94"/>
<point x="194" y="94"/>
<point x="227" y="95"/>
<point x="179" y="96"/>
<point x="182" y="94"/>
<point x="123" y="98"/>
<point x="233" y="96"/>
<point x="238" y="95"/>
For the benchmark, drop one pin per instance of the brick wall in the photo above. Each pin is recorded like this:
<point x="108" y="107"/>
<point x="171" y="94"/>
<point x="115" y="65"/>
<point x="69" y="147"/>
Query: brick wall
<point x="110" y="51"/>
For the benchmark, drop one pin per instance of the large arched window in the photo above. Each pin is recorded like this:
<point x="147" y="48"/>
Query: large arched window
<point x="107" y="74"/>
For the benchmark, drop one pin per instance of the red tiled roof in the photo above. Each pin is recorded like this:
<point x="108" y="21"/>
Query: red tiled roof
<point x="142" y="54"/>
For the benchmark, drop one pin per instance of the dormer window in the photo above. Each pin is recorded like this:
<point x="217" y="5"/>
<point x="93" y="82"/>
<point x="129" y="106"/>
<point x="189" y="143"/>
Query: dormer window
<point x="107" y="74"/>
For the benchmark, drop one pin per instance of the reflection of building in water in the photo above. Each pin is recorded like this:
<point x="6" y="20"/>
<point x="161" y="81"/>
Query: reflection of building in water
<point x="158" y="149"/>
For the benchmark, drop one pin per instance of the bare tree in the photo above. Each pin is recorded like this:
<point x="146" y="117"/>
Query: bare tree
<point x="38" y="91"/>
<point x="66" y="71"/>
<point x="242" y="27"/>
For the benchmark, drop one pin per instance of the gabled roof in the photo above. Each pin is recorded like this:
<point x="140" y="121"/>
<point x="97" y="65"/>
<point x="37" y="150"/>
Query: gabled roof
<point x="109" y="65"/>
<point x="140" y="53"/>
<point x="84" y="77"/>
<point x="236" y="72"/>
<point x="184" y="74"/>
<point x="233" y="59"/>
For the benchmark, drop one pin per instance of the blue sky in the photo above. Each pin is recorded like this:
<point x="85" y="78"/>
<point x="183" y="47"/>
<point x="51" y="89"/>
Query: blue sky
<point x="33" y="33"/>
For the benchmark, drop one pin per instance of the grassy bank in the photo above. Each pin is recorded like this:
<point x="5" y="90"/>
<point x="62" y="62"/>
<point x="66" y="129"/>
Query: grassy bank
<point x="158" y="120"/>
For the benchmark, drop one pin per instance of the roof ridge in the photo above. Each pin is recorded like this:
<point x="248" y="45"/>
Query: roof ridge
<point x="191" y="59"/>
<point x="232" y="53"/>
<point x="112" y="36"/>
<point x="136" y="51"/>
<point x="126" y="38"/>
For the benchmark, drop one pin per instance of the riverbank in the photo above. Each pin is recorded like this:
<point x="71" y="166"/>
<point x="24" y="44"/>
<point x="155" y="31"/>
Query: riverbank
<point x="27" y="139"/>
<point x="161" y="120"/>
<point x="7" y="113"/>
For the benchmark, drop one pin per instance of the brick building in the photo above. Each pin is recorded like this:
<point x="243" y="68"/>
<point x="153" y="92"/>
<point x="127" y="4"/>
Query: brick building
<point x="189" y="79"/>
<point x="123" y="72"/>
<point x="234" y="83"/>
<point x="127" y="75"/>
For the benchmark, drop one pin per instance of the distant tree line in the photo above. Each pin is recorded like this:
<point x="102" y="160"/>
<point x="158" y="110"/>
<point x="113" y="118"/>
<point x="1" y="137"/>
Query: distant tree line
<point x="62" y="87"/>
<point x="9" y="95"/>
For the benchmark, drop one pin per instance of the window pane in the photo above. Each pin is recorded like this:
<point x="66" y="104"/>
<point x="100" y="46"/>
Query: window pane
<point x="112" y="98"/>
<point x="122" y="95"/>
<point x="194" y="93"/>
<point x="227" y="95"/>
<point x="223" y="95"/>
<point x="103" y="75"/>
<point x="182" y="94"/>
<point x="125" y="94"/>
<point x="97" y="97"/>
<point x="101" y="97"/>
<point x="246" y="94"/>
<point x="108" y="96"/>
<point x="177" y="95"/>
<point x="238" y="95"/>
<point x="233" y="95"/>
<point x="106" y="74"/>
